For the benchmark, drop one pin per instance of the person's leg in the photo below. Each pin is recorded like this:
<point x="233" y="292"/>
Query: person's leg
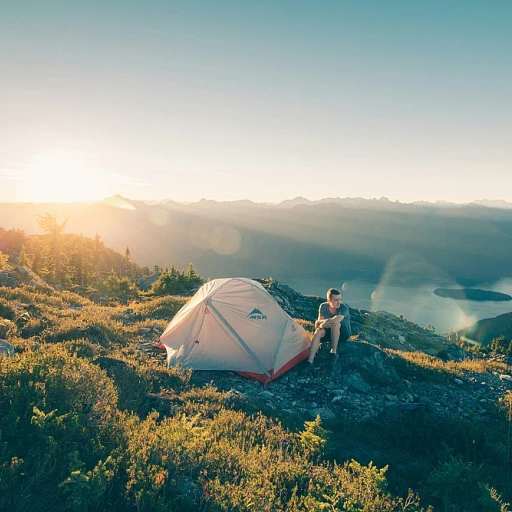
<point x="315" y="344"/>
<point x="335" y="336"/>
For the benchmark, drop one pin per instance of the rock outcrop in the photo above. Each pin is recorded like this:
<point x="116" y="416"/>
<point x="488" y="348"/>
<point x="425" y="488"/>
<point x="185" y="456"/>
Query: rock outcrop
<point x="373" y="380"/>
<point x="20" y="275"/>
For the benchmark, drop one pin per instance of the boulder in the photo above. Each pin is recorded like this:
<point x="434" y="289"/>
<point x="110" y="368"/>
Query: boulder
<point x="7" y="280"/>
<point x="145" y="283"/>
<point x="454" y="353"/>
<point x="6" y="349"/>
<point x="357" y="383"/>
<point x="324" y="413"/>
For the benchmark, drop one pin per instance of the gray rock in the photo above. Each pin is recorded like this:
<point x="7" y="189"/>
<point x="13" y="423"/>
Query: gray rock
<point x="323" y="412"/>
<point x="6" y="349"/>
<point x="7" y="280"/>
<point x="455" y="353"/>
<point x="145" y="283"/>
<point x="22" y="271"/>
<point x="357" y="383"/>
<point x="266" y="395"/>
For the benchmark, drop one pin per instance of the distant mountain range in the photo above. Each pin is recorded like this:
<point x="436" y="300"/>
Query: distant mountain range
<point x="468" y="243"/>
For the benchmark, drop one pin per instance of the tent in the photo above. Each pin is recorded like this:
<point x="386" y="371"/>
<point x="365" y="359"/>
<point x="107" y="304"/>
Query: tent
<point x="234" y="324"/>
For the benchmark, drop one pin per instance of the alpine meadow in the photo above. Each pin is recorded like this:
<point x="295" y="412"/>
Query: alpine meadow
<point x="256" y="256"/>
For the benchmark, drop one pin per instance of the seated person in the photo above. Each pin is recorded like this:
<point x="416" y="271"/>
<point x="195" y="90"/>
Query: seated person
<point x="334" y="322"/>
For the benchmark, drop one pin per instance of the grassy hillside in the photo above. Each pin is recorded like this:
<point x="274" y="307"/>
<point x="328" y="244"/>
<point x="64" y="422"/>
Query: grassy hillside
<point x="91" y="419"/>
<point x="484" y="331"/>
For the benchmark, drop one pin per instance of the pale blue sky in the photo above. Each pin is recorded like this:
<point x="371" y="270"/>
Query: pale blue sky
<point x="264" y="100"/>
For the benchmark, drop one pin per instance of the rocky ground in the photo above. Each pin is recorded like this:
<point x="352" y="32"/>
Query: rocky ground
<point x="372" y="380"/>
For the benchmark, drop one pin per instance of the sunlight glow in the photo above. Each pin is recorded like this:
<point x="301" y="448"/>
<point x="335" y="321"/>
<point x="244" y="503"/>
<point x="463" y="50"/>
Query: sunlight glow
<point x="62" y="177"/>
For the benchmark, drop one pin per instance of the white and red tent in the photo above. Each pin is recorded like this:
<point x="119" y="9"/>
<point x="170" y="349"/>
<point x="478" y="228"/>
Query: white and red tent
<point x="234" y="324"/>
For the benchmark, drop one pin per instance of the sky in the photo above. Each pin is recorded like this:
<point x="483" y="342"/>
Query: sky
<point x="264" y="100"/>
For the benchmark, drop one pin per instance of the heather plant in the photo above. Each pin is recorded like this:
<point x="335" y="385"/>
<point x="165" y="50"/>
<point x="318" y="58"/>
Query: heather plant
<point x="56" y="413"/>
<point x="4" y="258"/>
<point x="431" y="368"/>
<point x="162" y="308"/>
<point x="136" y="379"/>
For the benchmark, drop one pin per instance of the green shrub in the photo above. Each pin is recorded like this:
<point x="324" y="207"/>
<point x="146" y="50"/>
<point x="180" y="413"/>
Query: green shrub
<point x="56" y="411"/>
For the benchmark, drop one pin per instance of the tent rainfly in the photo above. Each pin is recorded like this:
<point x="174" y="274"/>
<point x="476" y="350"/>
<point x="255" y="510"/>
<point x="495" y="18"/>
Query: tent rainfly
<point x="234" y="324"/>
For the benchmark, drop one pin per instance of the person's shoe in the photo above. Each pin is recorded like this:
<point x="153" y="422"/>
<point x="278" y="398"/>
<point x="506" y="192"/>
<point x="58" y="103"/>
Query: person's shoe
<point x="308" y="368"/>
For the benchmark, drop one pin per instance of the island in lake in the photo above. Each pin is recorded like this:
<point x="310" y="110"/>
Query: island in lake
<point x="471" y="294"/>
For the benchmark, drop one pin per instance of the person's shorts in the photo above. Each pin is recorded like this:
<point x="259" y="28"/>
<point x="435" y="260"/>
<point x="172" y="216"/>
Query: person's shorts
<point x="327" y="335"/>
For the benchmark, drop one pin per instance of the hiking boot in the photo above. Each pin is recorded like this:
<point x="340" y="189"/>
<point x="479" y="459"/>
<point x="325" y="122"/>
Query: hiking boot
<point x="307" y="368"/>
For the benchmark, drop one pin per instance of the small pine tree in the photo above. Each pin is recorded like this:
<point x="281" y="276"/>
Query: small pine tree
<point x="96" y="254"/>
<point x="22" y="258"/>
<point x="501" y="345"/>
<point x="193" y="278"/>
<point x="112" y="282"/>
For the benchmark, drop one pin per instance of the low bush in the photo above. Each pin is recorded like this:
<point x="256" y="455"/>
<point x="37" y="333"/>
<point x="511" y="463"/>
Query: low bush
<point x="56" y="413"/>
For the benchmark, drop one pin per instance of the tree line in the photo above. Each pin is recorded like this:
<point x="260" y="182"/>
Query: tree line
<point x="82" y="264"/>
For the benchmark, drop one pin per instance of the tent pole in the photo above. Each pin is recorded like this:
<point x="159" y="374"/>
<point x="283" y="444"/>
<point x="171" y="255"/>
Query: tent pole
<point x="237" y="336"/>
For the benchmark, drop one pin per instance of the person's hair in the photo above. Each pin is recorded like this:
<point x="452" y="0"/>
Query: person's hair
<point x="331" y="292"/>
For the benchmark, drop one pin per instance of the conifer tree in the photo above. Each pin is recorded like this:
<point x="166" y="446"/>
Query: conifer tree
<point x="96" y="255"/>
<point x="112" y="281"/>
<point x="127" y="262"/>
<point x="193" y="278"/>
<point x="49" y="224"/>
<point x="22" y="258"/>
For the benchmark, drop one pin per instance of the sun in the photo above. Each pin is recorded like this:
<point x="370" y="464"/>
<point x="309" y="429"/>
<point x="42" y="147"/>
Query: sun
<point x="62" y="177"/>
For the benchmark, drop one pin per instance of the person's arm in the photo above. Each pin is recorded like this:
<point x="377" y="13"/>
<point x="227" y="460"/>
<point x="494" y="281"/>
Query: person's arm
<point x="319" y="322"/>
<point x="321" y="318"/>
<point x="338" y="318"/>
<point x="346" y="329"/>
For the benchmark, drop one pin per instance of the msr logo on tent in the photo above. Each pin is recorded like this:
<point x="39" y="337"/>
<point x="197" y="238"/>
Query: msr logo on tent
<point x="256" y="314"/>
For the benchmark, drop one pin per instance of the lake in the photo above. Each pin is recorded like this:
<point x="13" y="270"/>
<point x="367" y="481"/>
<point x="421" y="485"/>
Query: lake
<point x="413" y="299"/>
